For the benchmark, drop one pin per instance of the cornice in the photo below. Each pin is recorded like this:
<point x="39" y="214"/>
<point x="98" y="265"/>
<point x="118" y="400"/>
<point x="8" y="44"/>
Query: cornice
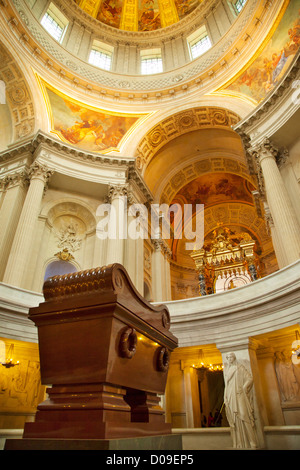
<point x="41" y="145"/>
<point x="42" y="139"/>
<point x="199" y="76"/>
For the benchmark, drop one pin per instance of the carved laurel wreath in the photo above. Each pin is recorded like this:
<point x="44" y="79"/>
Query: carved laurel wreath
<point x="163" y="359"/>
<point x="128" y="343"/>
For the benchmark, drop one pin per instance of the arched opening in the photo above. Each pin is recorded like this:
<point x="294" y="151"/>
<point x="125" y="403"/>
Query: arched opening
<point x="59" y="268"/>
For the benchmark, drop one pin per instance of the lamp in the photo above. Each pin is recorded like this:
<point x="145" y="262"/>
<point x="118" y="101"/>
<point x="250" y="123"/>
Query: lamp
<point x="9" y="361"/>
<point x="202" y="365"/>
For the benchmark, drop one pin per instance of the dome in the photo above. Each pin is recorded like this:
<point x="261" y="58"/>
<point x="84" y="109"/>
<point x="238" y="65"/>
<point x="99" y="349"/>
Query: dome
<point x="139" y="15"/>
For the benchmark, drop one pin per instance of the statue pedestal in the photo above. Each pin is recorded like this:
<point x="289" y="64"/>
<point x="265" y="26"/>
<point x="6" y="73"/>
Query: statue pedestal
<point x="105" y="351"/>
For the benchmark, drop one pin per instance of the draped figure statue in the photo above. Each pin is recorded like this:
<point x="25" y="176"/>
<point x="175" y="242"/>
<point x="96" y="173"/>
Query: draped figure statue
<point x="239" y="404"/>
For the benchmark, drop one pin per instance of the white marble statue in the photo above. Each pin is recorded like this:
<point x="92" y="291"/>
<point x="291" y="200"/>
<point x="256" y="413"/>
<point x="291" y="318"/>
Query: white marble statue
<point x="238" y="401"/>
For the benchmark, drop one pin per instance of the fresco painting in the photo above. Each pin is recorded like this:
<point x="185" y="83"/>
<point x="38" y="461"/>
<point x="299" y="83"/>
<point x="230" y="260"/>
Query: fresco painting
<point x="110" y="12"/>
<point x="216" y="188"/>
<point x="270" y="66"/>
<point x="86" y="127"/>
<point x="185" y="7"/>
<point x="148" y="15"/>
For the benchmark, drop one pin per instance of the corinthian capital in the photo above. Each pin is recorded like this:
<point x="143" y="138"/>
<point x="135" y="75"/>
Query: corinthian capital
<point x="266" y="150"/>
<point x="115" y="191"/>
<point x="41" y="171"/>
<point x="18" y="178"/>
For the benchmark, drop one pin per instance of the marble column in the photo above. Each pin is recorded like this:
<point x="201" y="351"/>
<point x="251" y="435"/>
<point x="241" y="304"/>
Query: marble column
<point x="290" y="180"/>
<point x="12" y="202"/>
<point x="282" y="211"/>
<point x="134" y="243"/>
<point x="21" y="247"/>
<point x="117" y="198"/>
<point x="276" y="240"/>
<point x="157" y="272"/>
<point x="187" y="371"/>
<point x="167" y="272"/>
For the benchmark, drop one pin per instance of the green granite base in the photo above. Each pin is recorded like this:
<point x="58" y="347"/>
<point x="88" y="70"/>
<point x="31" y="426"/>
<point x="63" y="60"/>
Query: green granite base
<point x="165" y="442"/>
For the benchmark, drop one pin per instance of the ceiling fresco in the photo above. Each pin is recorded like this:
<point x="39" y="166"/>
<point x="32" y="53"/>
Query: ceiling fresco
<point x="88" y="128"/>
<point x="138" y="15"/>
<point x="213" y="189"/>
<point x="216" y="188"/>
<point x="272" y="62"/>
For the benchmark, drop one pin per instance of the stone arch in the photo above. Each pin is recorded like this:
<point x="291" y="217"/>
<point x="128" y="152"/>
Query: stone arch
<point x="180" y="123"/>
<point x="60" y="243"/>
<point x="55" y="267"/>
<point x="189" y="172"/>
<point x="57" y="208"/>
<point x="19" y="99"/>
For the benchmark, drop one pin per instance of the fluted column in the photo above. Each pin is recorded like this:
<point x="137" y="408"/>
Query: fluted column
<point x="21" y="246"/>
<point x="188" y="397"/>
<point x="157" y="272"/>
<point x="167" y="272"/>
<point x="134" y="243"/>
<point x="13" y="199"/>
<point x="117" y="198"/>
<point x="283" y="214"/>
<point x="161" y="278"/>
<point x="276" y="240"/>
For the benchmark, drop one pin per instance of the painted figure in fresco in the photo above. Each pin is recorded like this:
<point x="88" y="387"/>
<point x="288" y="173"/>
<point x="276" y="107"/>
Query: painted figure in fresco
<point x="110" y="13"/>
<point x="149" y="18"/>
<point x="261" y="77"/>
<point x="88" y="128"/>
<point x="239" y="404"/>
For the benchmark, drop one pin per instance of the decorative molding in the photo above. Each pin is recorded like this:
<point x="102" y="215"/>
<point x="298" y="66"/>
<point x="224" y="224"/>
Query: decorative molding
<point x="268" y="304"/>
<point x="206" y="165"/>
<point x="18" y="95"/>
<point x="93" y="81"/>
<point x="40" y="171"/>
<point x="46" y="140"/>
<point x="16" y="178"/>
<point x="179" y="124"/>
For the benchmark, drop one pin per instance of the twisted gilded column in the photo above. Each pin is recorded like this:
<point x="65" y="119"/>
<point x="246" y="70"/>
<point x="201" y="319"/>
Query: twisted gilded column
<point x="281" y="209"/>
<point x="20" y="251"/>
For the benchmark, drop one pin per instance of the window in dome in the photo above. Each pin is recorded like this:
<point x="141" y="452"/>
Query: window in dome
<point x="151" y="61"/>
<point x="101" y="55"/>
<point x="239" y="5"/>
<point x="199" y="42"/>
<point x="54" y="22"/>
